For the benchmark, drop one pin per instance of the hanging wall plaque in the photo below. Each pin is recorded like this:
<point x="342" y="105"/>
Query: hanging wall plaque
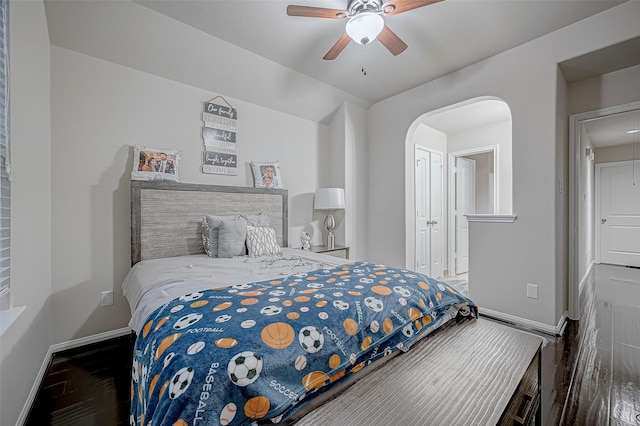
<point x="219" y="133"/>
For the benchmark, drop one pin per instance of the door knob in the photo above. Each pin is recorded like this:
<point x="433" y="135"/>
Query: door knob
<point x="603" y="220"/>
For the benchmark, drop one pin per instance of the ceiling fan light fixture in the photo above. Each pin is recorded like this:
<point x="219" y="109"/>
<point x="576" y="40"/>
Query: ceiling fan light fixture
<point x="365" y="27"/>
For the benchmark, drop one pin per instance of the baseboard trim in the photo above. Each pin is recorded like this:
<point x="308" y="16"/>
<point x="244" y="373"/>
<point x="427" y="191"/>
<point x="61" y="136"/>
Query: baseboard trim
<point x="58" y="347"/>
<point x="527" y="323"/>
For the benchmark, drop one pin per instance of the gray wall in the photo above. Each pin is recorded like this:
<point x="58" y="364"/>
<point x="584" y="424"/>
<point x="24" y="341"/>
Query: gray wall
<point x="24" y="345"/>
<point x="503" y="257"/>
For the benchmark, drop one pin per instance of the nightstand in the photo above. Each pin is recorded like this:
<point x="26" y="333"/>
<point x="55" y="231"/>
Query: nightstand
<point x="337" y="251"/>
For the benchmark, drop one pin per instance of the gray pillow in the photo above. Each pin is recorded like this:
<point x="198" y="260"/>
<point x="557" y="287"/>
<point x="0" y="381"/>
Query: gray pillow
<point x="210" y="229"/>
<point x="231" y="238"/>
<point x="260" y="219"/>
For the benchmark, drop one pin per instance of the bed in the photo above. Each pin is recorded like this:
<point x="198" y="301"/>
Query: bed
<point x="266" y="339"/>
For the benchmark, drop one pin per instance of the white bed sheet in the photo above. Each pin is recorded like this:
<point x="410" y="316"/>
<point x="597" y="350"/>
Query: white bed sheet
<point x="154" y="282"/>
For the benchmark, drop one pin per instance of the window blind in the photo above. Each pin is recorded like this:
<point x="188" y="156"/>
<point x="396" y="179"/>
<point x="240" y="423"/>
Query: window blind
<point x="5" y="165"/>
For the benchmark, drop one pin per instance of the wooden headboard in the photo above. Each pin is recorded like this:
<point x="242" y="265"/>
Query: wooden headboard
<point x="166" y="217"/>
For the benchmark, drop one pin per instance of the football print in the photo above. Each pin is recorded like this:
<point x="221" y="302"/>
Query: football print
<point x="180" y="382"/>
<point x="244" y="368"/>
<point x="187" y="321"/>
<point x="311" y="339"/>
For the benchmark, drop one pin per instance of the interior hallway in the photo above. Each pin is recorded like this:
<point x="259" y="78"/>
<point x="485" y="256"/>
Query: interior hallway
<point x="606" y="385"/>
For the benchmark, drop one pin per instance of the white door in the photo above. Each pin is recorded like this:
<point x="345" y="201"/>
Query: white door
<point x="435" y="212"/>
<point x="465" y="204"/>
<point x="428" y="199"/>
<point x="618" y="221"/>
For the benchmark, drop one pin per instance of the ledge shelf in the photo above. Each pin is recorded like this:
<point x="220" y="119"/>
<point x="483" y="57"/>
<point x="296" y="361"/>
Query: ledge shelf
<point x="491" y="218"/>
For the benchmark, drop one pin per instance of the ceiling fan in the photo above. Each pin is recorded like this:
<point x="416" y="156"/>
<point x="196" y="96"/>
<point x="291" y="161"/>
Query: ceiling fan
<point x="365" y="23"/>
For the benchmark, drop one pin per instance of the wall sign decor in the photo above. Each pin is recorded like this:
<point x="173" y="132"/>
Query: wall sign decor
<point x="219" y="133"/>
<point x="155" y="164"/>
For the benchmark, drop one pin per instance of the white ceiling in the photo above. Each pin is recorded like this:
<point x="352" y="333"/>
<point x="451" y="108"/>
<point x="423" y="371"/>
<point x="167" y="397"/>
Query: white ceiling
<point x="442" y="37"/>
<point x="612" y="130"/>
<point x="469" y="116"/>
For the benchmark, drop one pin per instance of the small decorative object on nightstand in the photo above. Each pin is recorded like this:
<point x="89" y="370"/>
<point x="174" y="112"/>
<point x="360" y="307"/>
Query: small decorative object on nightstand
<point x="305" y="239"/>
<point x="336" y="251"/>
<point x="329" y="199"/>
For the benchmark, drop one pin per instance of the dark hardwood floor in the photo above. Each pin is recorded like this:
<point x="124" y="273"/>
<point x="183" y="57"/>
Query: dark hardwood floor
<point x="91" y="385"/>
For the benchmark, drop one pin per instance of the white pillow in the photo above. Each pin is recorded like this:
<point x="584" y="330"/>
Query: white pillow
<point x="261" y="241"/>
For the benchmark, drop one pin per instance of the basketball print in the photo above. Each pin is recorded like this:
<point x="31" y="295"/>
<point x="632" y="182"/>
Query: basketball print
<point x="293" y="315"/>
<point x="187" y="321"/>
<point x="314" y="380"/>
<point x="311" y="339"/>
<point x="180" y="382"/>
<point x="414" y="313"/>
<point x="381" y="290"/>
<point x="244" y="368"/>
<point x="350" y="326"/>
<point x="278" y="335"/>
<point x="228" y="413"/>
<point x="334" y="361"/>
<point x="257" y="407"/>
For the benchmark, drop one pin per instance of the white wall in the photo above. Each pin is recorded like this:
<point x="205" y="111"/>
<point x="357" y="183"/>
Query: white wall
<point x="494" y="134"/>
<point x="101" y="111"/>
<point x="24" y="345"/>
<point x="586" y="234"/>
<point x="484" y="172"/>
<point x="503" y="257"/>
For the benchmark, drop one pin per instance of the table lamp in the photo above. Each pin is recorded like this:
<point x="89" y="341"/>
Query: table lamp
<point x="329" y="199"/>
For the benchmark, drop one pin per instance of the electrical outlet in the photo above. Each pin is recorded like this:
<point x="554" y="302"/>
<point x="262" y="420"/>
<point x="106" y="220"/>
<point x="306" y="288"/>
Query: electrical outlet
<point x="532" y="291"/>
<point x="107" y="298"/>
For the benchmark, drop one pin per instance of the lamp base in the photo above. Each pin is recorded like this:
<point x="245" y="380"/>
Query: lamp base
<point x="331" y="242"/>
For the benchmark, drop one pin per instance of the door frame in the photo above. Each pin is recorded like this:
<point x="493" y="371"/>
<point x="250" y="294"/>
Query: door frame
<point x="442" y="192"/>
<point x="451" y="231"/>
<point x="575" y="123"/>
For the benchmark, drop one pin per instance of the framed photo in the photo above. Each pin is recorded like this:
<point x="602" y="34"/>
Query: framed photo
<point x="155" y="164"/>
<point x="266" y="174"/>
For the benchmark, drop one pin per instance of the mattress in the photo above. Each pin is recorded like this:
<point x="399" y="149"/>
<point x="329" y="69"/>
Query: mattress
<point x="154" y="282"/>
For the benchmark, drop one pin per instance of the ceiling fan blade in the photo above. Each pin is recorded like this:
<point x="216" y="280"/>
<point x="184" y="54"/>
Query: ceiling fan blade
<point x="391" y="41"/>
<point x="394" y="7"/>
<point x="316" y="12"/>
<point x="337" y="48"/>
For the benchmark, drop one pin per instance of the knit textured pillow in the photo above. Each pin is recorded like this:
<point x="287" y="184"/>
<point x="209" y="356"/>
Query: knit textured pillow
<point x="261" y="241"/>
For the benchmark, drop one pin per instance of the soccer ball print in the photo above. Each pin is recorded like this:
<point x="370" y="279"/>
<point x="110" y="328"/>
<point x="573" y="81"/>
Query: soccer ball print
<point x="311" y="339"/>
<point x="244" y="368"/>
<point x="187" y="321"/>
<point x="180" y="382"/>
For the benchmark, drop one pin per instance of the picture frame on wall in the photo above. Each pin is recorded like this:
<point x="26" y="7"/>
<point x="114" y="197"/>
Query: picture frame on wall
<point x="155" y="164"/>
<point x="266" y="174"/>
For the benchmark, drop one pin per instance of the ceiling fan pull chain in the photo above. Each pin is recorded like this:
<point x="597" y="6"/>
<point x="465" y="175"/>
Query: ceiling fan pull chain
<point x="364" y="61"/>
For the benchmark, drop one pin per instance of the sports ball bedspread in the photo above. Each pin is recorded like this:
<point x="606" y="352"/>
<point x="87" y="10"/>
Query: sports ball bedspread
<point x="254" y="353"/>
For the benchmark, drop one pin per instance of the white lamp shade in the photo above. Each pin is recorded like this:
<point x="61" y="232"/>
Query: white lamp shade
<point x="329" y="199"/>
<point x="365" y="27"/>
